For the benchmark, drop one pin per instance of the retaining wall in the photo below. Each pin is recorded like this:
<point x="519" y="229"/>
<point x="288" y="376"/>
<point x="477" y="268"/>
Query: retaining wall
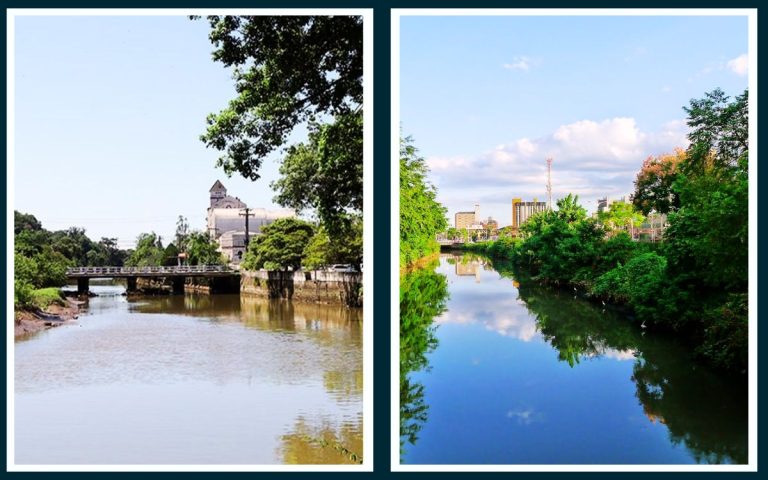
<point x="305" y="286"/>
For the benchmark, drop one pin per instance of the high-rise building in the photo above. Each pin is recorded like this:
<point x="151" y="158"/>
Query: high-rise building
<point x="466" y="219"/>
<point x="522" y="211"/>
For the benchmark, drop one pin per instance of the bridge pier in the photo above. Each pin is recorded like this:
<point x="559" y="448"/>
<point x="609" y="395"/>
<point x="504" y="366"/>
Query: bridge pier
<point x="82" y="286"/>
<point x="178" y="284"/>
<point x="131" y="281"/>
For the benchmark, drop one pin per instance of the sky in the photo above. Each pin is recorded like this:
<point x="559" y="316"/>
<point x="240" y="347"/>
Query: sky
<point x="108" y="114"/>
<point x="487" y="99"/>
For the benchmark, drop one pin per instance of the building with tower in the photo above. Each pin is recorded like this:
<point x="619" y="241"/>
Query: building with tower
<point x="226" y="220"/>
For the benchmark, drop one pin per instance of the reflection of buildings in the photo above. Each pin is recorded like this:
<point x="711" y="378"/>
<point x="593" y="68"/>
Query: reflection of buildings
<point x="226" y="221"/>
<point x="522" y="211"/>
<point x="468" y="269"/>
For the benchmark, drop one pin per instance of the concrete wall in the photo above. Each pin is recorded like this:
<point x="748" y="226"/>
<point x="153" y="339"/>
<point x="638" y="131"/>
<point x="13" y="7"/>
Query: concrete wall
<point x="316" y="286"/>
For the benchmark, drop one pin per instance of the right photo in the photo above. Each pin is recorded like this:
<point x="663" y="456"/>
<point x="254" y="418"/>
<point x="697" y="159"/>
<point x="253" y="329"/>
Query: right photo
<point x="577" y="240"/>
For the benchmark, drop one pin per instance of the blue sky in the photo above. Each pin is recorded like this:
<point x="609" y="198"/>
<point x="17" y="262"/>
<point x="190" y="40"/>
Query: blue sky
<point x="107" y="119"/>
<point x="488" y="99"/>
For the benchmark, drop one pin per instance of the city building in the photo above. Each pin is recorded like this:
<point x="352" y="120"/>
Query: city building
<point x="226" y="221"/>
<point x="491" y="224"/>
<point x="466" y="219"/>
<point x="522" y="211"/>
<point x="604" y="203"/>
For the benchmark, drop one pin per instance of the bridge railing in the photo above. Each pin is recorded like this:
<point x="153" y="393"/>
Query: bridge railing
<point x="155" y="270"/>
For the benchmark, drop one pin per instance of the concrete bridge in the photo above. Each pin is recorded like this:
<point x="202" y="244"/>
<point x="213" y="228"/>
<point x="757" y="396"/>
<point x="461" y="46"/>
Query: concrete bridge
<point x="177" y="273"/>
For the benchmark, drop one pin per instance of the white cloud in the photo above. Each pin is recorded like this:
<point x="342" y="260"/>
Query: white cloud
<point x="738" y="65"/>
<point x="521" y="62"/>
<point x="591" y="159"/>
<point x="666" y="89"/>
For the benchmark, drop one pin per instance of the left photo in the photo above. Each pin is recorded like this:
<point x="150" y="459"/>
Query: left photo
<point x="191" y="203"/>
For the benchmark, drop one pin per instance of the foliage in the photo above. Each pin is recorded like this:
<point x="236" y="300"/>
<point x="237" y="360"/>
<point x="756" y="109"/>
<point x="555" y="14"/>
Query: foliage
<point x="423" y="296"/>
<point x="725" y="337"/>
<point x="653" y="185"/>
<point x="22" y="293"/>
<point x="620" y="216"/>
<point x="287" y="70"/>
<point x="321" y="251"/>
<point x="421" y="215"/>
<point x="280" y="246"/>
<point x="202" y="250"/>
<point x="44" y="297"/>
<point x="326" y="173"/>
<point x="695" y="283"/>
<point x="25" y="221"/>
<point x="182" y="233"/>
<point x="149" y="251"/>
<point x="719" y="132"/>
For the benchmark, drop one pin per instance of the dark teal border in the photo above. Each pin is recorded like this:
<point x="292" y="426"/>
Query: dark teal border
<point x="382" y="209"/>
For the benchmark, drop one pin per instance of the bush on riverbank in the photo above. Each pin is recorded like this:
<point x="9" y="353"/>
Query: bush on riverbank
<point x="421" y="215"/>
<point x="695" y="281"/>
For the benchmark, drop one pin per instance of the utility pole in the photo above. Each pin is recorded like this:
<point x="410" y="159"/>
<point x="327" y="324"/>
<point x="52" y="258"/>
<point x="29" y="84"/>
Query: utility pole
<point x="549" y="183"/>
<point x="247" y="232"/>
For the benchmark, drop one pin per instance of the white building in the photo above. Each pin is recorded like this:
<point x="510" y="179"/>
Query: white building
<point x="226" y="221"/>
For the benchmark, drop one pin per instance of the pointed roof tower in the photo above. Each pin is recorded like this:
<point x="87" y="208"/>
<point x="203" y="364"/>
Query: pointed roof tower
<point x="218" y="187"/>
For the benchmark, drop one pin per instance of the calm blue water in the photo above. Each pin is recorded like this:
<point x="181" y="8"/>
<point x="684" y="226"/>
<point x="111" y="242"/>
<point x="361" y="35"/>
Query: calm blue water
<point x="516" y="375"/>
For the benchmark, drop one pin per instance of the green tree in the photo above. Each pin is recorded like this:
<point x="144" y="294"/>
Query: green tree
<point x="182" y="232"/>
<point x="422" y="217"/>
<point x="149" y="251"/>
<point x="654" y="182"/>
<point x="719" y="131"/>
<point x="280" y="246"/>
<point x="287" y="70"/>
<point x="201" y="250"/>
<point x="326" y="173"/>
<point x="25" y="221"/>
<point x="621" y="216"/>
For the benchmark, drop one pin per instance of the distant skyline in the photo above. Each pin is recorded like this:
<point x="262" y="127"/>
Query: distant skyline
<point x="108" y="114"/>
<point x="488" y="99"/>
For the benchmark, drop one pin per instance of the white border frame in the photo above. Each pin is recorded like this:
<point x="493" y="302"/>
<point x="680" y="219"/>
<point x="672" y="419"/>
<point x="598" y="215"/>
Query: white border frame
<point x="396" y="14"/>
<point x="368" y="452"/>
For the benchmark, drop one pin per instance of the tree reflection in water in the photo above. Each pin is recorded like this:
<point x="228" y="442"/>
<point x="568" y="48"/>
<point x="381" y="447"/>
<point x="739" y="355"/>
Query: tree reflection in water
<point x="322" y="443"/>
<point x="423" y="296"/>
<point x="702" y="409"/>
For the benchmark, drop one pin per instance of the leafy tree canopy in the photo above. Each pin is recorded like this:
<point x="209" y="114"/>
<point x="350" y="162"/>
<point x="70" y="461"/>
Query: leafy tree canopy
<point x="653" y="185"/>
<point x="287" y="70"/>
<point x="421" y="215"/>
<point x="280" y="246"/>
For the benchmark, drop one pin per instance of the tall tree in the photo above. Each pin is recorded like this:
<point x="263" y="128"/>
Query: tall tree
<point x="654" y="182"/>
<point x="287" y="70"/>
<point x="280" y="246"/>
<point x="422" y="217"/>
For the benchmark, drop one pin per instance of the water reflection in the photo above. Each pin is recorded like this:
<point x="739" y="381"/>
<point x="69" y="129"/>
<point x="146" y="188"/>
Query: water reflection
<point x="703" y="412"/>
<point x="423" y="296"/>
<point x="192" y="379"/>
<point x="323" y="442"/>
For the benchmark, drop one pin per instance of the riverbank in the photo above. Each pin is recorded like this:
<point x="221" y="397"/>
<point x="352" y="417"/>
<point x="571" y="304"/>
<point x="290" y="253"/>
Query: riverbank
<point x="32" y="320"/>
<point x="420" y="263"/>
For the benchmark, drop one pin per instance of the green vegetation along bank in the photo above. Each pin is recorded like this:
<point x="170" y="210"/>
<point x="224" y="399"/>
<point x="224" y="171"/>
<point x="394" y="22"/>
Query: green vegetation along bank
<point x="421" y="215"/>
<point x="694" y="282"/>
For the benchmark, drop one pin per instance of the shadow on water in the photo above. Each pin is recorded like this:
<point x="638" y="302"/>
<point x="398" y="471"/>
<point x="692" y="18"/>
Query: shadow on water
<point x="423" y="296"/>
<point x="703" y="410"/>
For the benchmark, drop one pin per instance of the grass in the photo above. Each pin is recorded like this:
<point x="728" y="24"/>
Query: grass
<point x="44" y="297"/>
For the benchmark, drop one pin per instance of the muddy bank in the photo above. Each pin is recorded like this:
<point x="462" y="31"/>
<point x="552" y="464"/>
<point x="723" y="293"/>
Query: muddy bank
<point x="29" y="321"/>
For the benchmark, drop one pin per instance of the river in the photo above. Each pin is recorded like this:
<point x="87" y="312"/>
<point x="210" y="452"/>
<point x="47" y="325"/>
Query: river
<point x="192" y="379"/>
<point x="495" y="372"/>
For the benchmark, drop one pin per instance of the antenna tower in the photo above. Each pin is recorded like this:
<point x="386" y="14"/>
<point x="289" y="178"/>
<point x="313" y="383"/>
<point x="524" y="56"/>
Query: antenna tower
<point x="549" y="183"/>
